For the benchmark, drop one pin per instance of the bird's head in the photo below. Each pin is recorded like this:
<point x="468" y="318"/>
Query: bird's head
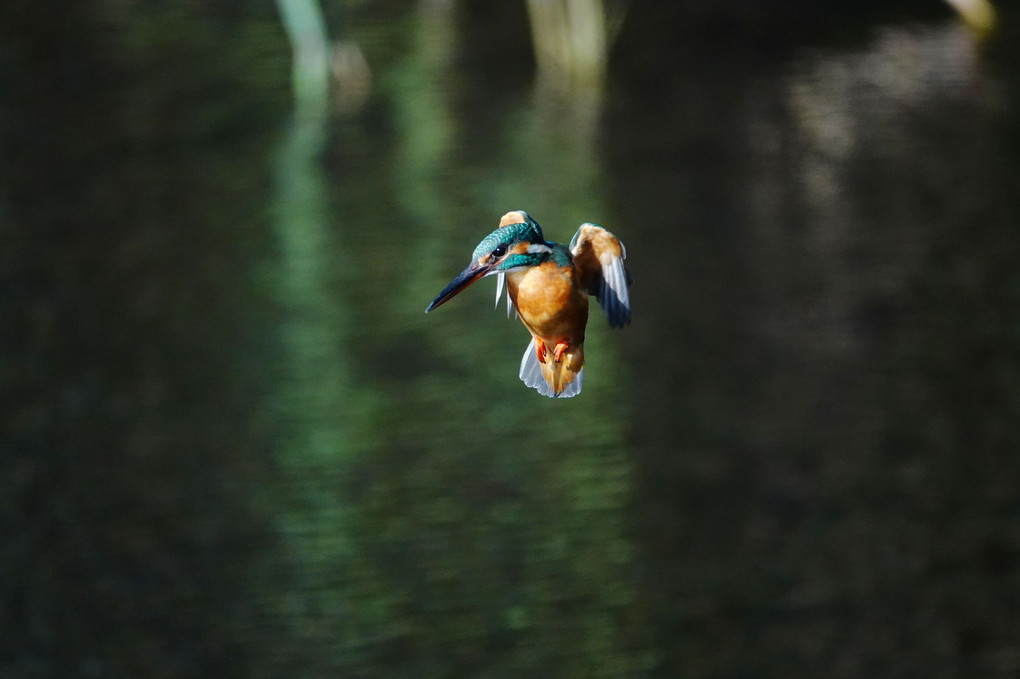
<point x="516" y="244"/>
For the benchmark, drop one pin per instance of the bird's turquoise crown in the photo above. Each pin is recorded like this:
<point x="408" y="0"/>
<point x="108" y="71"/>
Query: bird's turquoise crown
<point x="528" y="231"/>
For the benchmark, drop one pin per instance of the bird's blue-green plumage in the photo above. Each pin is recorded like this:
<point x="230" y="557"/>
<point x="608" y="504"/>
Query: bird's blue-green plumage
<point x="561" y="255"/>
<point x="528" y="231"/>
<point x="599" y="270"/>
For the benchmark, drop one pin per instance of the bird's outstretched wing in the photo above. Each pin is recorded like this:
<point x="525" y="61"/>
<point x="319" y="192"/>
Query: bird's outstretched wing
<point x="598" y="258"/>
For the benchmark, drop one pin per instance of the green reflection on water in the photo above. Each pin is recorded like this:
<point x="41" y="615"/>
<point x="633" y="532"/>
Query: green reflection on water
<point x="437" y="516"/>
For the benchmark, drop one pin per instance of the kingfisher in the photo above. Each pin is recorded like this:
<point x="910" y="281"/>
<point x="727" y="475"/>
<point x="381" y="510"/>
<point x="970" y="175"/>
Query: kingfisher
<point x="548" y="285"/>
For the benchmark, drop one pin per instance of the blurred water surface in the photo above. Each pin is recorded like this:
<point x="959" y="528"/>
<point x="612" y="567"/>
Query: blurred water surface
<point x="234" y="445"/>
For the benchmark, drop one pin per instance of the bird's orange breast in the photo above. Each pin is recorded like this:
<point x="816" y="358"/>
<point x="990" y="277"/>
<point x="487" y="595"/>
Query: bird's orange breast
<point x="550" y="302"/>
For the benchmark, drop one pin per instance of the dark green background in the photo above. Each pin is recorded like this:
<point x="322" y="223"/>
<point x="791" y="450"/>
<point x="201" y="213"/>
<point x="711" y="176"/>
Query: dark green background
<point x="233" y="445"/>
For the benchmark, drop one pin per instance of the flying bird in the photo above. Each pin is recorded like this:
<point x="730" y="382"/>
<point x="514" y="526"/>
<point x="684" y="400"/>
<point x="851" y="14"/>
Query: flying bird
<point x="548" y="285"/>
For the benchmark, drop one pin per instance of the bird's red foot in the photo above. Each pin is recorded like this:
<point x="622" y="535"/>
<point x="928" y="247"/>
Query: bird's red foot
<point x="540" y="350"/>
<point x="558" y="351"/>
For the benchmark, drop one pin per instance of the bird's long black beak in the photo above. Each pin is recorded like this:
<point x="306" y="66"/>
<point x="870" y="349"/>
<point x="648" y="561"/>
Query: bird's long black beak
<point x="472" y="273"/>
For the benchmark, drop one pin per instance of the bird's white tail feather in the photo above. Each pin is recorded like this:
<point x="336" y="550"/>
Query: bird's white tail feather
<point x="532" y="375"/>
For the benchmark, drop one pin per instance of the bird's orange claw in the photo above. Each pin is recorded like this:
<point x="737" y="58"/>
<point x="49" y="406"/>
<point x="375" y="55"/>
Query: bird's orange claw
<point x="558" y="351"/>
<point x="540" y="350"/>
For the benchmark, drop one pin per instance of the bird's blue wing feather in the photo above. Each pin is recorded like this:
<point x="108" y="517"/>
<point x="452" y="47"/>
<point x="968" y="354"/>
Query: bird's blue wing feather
<point x="601" y="256"/>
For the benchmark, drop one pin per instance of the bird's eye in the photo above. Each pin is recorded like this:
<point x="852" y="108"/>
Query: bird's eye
<point x="499" y="251"/>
